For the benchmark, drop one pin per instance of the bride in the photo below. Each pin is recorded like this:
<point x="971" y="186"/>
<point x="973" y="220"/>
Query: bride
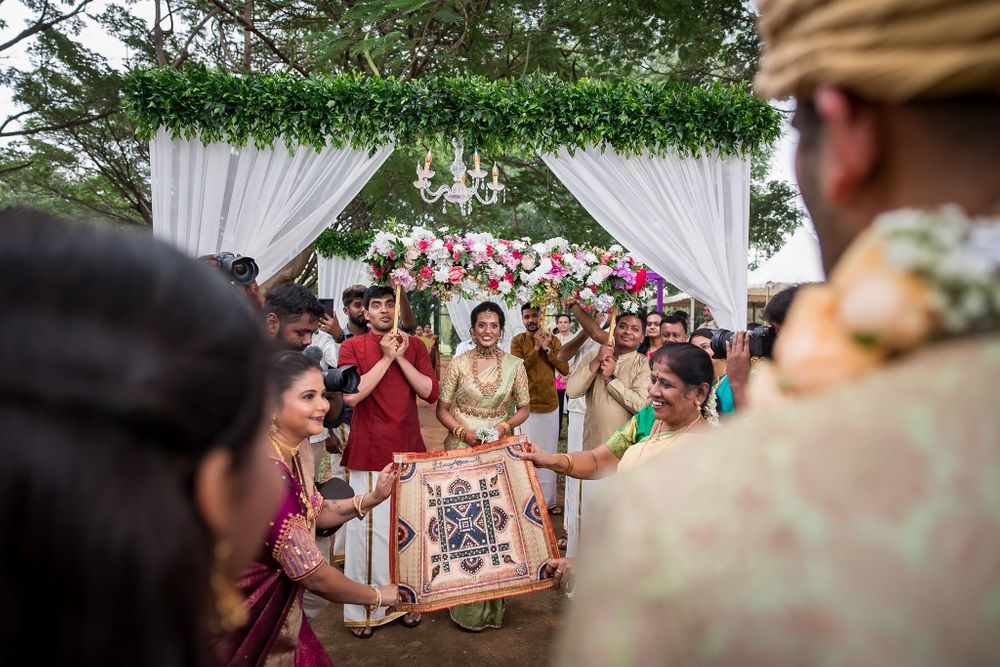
<point x="484" y="397"/>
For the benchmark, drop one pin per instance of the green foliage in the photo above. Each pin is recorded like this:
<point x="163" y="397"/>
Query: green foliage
<point x="773" y="216"/>
<point x="511" y="116"/>
<point x="353" y="244"/>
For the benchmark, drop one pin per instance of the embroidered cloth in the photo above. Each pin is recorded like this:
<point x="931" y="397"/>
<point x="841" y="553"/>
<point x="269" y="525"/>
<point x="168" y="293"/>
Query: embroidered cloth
<point x="469" y="525"/>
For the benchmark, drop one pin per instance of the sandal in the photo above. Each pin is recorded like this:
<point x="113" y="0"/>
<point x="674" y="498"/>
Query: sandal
<point x="555" y="510"/>
<point x="411" y="620"/>
<point x="362" y="633"/>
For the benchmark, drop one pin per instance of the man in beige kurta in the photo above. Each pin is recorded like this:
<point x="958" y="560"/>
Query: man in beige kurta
<point x="609" y="404"/>
<point x="613" y="394"/>
<point x="859" y="524"/>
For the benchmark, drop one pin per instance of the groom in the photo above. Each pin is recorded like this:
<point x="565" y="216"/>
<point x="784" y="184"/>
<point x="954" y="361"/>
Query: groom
<point x="395" y="369"/>
<point x="858" y="524"/>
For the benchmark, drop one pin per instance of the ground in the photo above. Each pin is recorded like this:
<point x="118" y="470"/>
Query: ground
<point x="529" y="630"/>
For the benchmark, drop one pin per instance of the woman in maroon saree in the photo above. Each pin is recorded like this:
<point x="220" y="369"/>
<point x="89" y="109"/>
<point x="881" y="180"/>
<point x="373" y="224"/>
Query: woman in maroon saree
<point x="278" y="631"/>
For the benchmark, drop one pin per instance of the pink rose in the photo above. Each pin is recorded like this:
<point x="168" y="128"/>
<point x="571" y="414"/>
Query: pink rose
<point x="423" y="245"/>
<point x="455" y="275"/>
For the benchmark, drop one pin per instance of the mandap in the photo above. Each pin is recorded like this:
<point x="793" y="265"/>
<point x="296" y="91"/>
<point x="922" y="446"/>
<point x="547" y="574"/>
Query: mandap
<point x="263" y="163"/>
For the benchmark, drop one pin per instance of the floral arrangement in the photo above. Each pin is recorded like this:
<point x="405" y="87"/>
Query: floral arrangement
<point x="479" y="265"/>
<point x="912" y="277"/>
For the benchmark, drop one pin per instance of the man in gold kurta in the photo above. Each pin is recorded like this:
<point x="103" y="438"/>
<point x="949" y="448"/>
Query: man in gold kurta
<point x="540" y="351"/>
<point x="859" y="523"/>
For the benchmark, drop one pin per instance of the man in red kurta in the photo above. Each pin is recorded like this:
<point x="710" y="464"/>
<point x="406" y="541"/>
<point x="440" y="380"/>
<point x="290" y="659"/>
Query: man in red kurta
<point x="395" y="369"/>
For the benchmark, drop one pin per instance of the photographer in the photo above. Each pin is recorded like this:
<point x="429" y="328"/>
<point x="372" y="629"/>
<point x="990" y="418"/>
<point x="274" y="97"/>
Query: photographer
<point x="241" y="272"/>
<point x="740" y="348"/>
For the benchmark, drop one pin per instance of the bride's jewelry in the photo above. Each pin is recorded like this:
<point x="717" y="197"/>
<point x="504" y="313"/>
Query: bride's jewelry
<point x="485" y="352"/>
<point x="487" y="389"/>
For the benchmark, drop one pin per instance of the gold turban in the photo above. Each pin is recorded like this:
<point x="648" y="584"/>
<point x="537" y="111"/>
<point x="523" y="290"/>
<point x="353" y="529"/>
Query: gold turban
<point x="888" y="50"/>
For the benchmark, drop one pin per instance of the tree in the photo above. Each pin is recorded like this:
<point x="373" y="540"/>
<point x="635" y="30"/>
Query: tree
<point x="74" y="151"/>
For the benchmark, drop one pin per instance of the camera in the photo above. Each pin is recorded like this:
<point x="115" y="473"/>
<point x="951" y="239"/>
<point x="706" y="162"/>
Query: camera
<point x="242" y="270"/>
<point x="345" y="379"/>
<point x="760" y="341"/>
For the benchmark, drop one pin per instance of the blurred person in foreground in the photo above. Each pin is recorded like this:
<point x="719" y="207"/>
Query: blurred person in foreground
<point x="289" y="562"/>
<point x="851" y="516"/>
<point x="135" y="483"/>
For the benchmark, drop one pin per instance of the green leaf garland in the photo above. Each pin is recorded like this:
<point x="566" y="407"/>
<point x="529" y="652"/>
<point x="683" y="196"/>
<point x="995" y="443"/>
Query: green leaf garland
<point x="510" y="116"/>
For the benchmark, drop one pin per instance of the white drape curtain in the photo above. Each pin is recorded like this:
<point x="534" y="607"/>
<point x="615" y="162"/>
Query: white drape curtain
<point x="337" y="274"/>
<point x="460" y="312"/>
<point x="686" y="218"/>
<point x="266" y="203"/>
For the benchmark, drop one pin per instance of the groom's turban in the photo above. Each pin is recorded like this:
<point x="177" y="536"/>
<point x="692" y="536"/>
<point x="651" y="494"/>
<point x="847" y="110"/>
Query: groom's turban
<point x="888" y="50"/>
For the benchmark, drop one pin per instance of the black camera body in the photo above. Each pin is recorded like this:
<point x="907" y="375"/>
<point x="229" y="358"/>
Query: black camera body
<point x="242" y="270"/>
<point x="760" y="341"/>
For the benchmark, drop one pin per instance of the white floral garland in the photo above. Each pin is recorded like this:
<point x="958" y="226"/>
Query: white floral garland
<point x="913" y="277"/>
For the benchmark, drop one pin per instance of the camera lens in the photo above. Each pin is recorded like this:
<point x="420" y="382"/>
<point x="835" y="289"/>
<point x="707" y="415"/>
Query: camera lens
<point x="719" y="340"/>
<point x="243" y="270"/>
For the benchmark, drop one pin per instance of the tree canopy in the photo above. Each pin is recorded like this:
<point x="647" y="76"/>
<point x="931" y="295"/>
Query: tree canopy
<point x="73" y="149"/>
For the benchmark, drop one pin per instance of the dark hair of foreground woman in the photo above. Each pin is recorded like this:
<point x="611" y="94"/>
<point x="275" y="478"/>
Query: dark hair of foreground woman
<point x="132" y="390"/>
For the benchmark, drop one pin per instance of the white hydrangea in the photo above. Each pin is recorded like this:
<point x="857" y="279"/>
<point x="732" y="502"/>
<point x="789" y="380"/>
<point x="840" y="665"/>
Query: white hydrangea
<point x="382" y="243"/>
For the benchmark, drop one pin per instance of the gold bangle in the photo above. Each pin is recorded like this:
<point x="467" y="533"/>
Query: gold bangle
<point x="378" y="600"/>
<point x="569" y="463"/>
<point x="505" y="427"/>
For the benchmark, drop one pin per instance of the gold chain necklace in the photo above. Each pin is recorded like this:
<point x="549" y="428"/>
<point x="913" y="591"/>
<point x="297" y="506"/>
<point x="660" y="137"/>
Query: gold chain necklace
<point x="658" y="427"/>
<point x="487" y="389"/>
<point x="282" y="449"/>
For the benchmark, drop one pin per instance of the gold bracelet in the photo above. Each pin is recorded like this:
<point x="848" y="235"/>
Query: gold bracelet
<point x="378" y="600"/>
<point x="505" y="427"/>
<point x="356" y="501"/>
<point x="459" y="432"/>
<point x="569" y="464"/>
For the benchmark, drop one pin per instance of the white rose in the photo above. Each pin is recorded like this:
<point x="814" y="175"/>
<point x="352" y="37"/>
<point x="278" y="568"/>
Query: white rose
<point x="528" y="262"/>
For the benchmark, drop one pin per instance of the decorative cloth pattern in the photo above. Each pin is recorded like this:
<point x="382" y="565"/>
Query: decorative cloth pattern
<point x="469" y="525"/>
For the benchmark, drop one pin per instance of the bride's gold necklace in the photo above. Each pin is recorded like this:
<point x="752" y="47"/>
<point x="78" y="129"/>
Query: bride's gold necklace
<point x="288" y="452"/>
<point x="487" y="389"/>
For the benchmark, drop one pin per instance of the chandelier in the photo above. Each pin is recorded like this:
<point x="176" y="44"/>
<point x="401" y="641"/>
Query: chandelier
<point x="458" y="192"/>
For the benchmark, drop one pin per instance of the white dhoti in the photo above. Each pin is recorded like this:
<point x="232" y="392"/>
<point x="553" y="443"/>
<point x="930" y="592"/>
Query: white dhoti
<point x="337" y="470"/>
<point x="574" y="490"/>
<point x="367" y="553"/>
<point x="542" y="429"/>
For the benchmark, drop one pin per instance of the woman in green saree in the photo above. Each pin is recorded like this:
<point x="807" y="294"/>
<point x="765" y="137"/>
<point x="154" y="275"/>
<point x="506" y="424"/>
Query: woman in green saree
<point x="679" y="388"/>
<point x="484" y="397"/>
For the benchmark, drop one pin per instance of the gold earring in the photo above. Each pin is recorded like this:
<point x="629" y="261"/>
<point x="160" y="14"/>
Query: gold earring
<point x="230" y="604"/>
